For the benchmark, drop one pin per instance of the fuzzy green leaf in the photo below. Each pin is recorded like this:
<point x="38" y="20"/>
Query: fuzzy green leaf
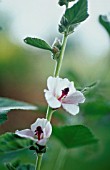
<point x="8" y="104"/>
<point x="10" y="166"/>
<point x="11" y="143"/>
<point x="64" y="2"/>
<point x="105" y="22"/>
<point x="74" y="136"/>
<point x="3" y="116"/>
<point x="26" y="167"/>
<point x="90" y="87"/>
<point x="36" y="42"/>
<point x="77" y="13"/>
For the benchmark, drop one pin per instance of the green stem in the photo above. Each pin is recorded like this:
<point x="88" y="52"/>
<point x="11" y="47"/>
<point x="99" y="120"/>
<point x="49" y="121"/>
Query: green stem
<point x="60" y="59"/>
<point x="38" y="162"/>
<point x="49" y="113"/>
<point x="56" y="73"/>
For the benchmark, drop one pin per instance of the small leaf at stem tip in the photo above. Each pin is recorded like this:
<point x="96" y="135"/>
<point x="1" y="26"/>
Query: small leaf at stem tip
<point x="64" y="2"/>
<point x="7" y="105"/>
<point x="105" y="22"/>
<point x="77" y="13"/>
<point x="74" y="136"/>
<point x="36" y="42"/>
<point x="74" y="16"/>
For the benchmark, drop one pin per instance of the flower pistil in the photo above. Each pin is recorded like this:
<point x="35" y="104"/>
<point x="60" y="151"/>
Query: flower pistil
<point x="39" y="132"/>
<point x="64" y="94"/>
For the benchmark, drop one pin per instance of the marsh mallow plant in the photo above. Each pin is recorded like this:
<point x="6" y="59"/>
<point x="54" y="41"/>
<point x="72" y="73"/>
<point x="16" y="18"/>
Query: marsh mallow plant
<point x="60" y="92"/>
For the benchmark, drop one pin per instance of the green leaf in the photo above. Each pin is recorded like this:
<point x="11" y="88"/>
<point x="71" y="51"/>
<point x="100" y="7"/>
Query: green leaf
<point x="90" y="87"/>
<point x="21" y="167"/>
<point x="37" y="43"/>
<point x="105" y="22"/>
<point x="74" y="136"/>
<point x="77" y="13"/>
<point x="96" y="108"/>
<point x="73" y="16"/>
<point x="11" y="142"/>
<point x="26" y="167"/>
<point x="3" y="116"/>
<point x="10" y="166"/>
<point x="64" y="2"/>
<point x="8" y="104"/>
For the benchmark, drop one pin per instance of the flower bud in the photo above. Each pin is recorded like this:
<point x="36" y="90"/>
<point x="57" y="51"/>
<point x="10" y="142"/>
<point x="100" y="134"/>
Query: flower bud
<point x="56" y="48"/>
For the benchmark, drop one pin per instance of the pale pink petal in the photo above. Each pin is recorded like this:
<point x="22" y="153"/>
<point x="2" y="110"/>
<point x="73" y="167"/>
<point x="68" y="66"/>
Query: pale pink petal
<point x="39" y="122"/>
<point x="61" y="85"/>
<point x="26" y="133"/>
<point x="71" y="88"/>
<point x="74" y="98"/>
<point x="42" y="142"/>
<point x="51" y="100"/>
<point x="71" y="108"/>
<point x="47" y="130"/>
<point x="51" y="83"/>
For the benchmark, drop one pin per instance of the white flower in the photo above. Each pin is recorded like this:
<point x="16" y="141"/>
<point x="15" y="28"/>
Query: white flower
<point x="40" y="131"/>
<point x="61" y="92"/>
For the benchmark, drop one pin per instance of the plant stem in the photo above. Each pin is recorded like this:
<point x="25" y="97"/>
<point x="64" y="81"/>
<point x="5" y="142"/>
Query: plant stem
<point x="38" y="162"/>
<point x="50" y="110"/>
<point x="49" y="113"/>
<point x="60" y="59"/>
<point x="56" y="73"/>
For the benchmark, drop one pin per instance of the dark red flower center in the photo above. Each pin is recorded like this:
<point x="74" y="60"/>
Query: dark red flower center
<point x="38" y="132"/>
<point x="64" y="93"/>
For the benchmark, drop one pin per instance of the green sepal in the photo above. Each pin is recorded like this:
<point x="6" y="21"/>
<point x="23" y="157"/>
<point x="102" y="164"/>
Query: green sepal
<point x="38" y="148"/>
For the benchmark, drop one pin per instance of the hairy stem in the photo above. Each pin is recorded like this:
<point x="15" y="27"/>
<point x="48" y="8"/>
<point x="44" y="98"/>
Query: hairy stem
<point x="57" y="72"/>
<point x="38" y="161"/>
<point x="60" y="59"/>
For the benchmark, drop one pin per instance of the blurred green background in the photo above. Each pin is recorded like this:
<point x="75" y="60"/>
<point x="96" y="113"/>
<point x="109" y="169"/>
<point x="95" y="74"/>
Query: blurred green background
<point x="23" y="74"/>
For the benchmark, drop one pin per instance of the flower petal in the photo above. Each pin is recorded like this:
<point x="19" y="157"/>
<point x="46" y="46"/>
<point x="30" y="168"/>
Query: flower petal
<point x="42" y="142"/>
<point x="61" y="85"/>
<point x="51" y="100"/>
<point x="26" y="133"/>
<point x="47" y="130"/>
<point x="71" y="88"/>
<point x="39" y="122"/>
<point x="71" y="108"/>
<point x="57" y="84"/>
<point x="74" y="98"/>
<point x="51" y="83"/>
